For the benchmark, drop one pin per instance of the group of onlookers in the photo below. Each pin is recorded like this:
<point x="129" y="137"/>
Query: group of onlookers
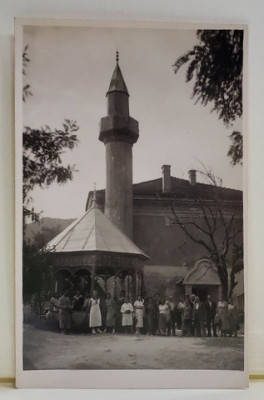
<point x="203" y="319"/>
<point x="155" y="315"/>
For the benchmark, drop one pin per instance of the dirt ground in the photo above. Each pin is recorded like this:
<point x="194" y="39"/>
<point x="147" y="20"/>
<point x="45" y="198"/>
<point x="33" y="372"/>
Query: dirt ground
<point x="51" y="350"/>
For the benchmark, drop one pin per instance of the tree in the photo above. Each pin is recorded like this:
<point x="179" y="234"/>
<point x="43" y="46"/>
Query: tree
<point x="36" y="271"/>
<point x="237" y="265"/>
<point x="42" y="164"/>
<point x="42" y="159"/>
<point x="215" y="227"/>
<point x="216" y="66"/>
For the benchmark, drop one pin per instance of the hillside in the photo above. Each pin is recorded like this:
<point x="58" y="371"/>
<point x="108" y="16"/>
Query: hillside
<point x="46" y="228"/>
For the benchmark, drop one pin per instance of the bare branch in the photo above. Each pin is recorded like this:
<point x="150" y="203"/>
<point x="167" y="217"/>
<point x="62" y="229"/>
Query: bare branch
<point x="196" y="240"/>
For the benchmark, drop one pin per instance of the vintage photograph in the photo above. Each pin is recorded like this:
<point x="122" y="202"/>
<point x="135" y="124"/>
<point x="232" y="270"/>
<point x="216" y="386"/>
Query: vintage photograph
<point x="132" y="198"/>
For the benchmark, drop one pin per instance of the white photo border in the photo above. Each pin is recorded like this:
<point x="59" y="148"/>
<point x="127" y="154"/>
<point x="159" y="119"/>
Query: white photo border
<point x="116" y="379"/>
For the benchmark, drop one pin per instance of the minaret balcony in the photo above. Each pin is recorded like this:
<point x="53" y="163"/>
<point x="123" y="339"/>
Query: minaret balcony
<point x="118" y="128"/>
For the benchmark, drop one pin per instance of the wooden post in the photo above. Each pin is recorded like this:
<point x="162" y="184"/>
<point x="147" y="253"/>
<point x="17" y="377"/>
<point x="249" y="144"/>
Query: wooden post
<point x="141" y="286"/>
<point x="136" y="284"/>
<point x="92" y="278"/>
<point x="188" y="289"/>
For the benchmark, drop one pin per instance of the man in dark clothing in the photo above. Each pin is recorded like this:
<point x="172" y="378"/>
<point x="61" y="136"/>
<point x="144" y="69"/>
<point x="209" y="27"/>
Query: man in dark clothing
<point x="78" y="301"/>
<point x="119" y="302"/>
<point x="156" y="301"/>
<point x="172" y="308"/>
<point x="192" y="304"/>
<point x="199" y="315"/>
<point x="210" y="311"/>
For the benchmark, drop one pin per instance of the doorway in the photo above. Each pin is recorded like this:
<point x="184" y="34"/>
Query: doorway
<point x="202" y="291"/>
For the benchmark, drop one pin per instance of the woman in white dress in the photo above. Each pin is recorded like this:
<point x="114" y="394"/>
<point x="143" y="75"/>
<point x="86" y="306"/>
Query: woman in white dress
<point x="95" y="320"/>
<point x="138" y="314"/>
<point x="127" y="315"/>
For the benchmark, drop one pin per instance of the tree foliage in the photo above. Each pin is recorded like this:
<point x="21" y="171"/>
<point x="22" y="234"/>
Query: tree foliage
<point x="42" y="159"/>
<point x="216" y="66"/>
<point x="36" y="270"/>
<point x="236" y="149"/>
<point x="215" y="229"/>
<point x="43" y="150"/>
<point x="237" y="265"/>
<point x="25" y="61"/>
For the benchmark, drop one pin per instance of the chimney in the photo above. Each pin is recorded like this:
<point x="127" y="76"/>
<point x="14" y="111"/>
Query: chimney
<point x="166" y="178"/>
<point x="192" y="176"/>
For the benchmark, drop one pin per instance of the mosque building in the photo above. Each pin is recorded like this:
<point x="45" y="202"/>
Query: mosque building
<point x="127" y="237"/>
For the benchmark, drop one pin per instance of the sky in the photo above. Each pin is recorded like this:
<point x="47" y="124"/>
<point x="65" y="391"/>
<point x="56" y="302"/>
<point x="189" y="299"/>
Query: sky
<point x="70" y="71"/>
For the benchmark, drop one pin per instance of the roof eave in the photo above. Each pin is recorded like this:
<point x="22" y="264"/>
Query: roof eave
<point x="142" y="256"/>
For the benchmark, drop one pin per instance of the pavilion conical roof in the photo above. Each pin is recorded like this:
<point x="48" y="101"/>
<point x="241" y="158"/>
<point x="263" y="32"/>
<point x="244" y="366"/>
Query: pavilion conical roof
<point x="93" y="232"/>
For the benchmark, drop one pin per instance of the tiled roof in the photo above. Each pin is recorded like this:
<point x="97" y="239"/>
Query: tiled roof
<point x="181" y="188"/>
<point x="93" y="232"/>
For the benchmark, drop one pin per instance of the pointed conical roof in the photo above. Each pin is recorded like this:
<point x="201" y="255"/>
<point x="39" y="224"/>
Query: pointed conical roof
<point x="95" y="233"/>
<point x="117" y="83"/>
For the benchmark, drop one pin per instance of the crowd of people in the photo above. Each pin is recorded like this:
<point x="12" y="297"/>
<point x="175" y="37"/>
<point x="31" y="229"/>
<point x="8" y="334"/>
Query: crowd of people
<point x="155" y="315"/>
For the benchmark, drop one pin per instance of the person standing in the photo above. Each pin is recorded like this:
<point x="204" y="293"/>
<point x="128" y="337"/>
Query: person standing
<point x="127" y="316"/>
<point x="110" y="314"/>
<point x="172" y="312"/>
<point x="103" y="310"/>
<point x="65" y="308"/>
<point x="192" y="304"/>
<point x="54" y="304"/>
<point x="222" y="309"/>
<point x="95" y="320"/>
<point x="232" y="316"/>
<point x="119" y="302"/>
<point x="199" y="316"/>
<point x="150" y="310"/>
<point x="52" y="314"/>
<point x="78" y="301"/>
<point x="86" y="308"/>
<point x="163" y="317"/>
<point x="156" y="301"/>
<point x="210" y="311"/>
<point x="179" y="314"/>
<point x="187" y="318"/>
<point x="138" y="314"/>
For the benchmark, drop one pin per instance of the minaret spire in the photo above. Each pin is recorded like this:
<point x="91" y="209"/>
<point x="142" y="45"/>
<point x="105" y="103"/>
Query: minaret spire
<point x="119" y="132"/>
<point x="117" y="83"/>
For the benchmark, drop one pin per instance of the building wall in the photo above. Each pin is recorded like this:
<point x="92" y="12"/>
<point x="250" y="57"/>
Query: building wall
<point x="167" y="244"/>
<point x="164" y="280"/>
<point x="168" y="247"/>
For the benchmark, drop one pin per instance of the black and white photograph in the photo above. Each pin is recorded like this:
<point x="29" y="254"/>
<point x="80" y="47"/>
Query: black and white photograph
<point x="129" y="197"/>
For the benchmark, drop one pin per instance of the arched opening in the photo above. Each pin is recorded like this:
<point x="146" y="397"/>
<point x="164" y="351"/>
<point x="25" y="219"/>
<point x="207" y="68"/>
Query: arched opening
<point x="129" y="287"/>
<point x="114" y="285"/>
<point x="63" y="281"/>
<point x="82" y="282"/>
<point x="203" y="280"/>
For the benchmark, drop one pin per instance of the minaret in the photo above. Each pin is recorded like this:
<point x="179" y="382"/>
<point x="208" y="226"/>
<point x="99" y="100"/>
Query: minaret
<point x="118" y="131"/>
